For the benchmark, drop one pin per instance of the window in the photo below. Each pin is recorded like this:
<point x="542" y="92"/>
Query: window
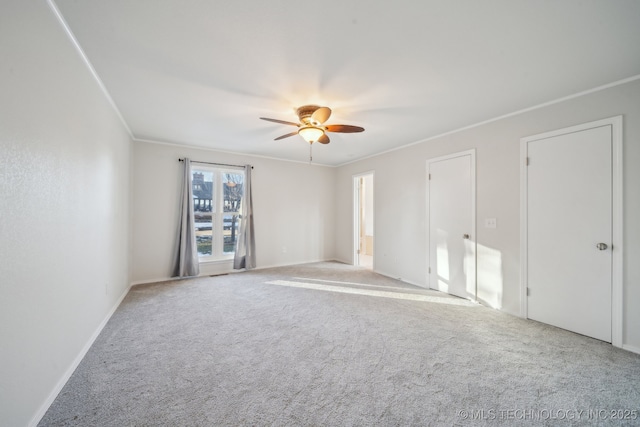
<point x="217" y="199"/>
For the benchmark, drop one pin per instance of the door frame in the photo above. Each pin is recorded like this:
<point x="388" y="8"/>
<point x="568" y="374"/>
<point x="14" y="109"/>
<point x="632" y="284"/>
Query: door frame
<point x="471" y="152"/>
<point x="616" y="218"/>
<point x="356" y="216"/>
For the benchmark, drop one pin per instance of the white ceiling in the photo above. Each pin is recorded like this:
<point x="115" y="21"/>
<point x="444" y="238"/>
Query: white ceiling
<point x="201" y="72"/>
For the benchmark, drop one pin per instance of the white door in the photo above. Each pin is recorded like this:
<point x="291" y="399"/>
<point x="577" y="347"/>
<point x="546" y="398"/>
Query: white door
<point x="569" y="231"/>
<point x="452" y="262"/>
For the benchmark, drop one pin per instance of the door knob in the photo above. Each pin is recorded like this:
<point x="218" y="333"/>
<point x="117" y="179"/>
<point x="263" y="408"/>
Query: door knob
<point x="602" y="246"/>
<point x="465" y="236"/>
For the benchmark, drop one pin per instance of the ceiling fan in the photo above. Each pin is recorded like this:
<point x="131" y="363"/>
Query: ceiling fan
<point x="311" y="127"/>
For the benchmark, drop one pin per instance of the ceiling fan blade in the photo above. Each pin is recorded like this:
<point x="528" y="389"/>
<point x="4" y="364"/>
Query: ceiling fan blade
<point x="286" y="136"/>
<point x="324" y="139"/>
<point x="344" y="128"/>
<point x="321" y="115"/>
<point x="279" y="121"/>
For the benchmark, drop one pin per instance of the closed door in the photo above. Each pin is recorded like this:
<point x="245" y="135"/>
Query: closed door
<point x="452" y="225"/>
<point x="569" y="231"/>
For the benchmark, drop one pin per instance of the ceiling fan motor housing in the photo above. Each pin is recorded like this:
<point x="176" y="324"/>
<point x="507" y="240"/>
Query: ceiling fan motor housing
<point x="304" y="113"/>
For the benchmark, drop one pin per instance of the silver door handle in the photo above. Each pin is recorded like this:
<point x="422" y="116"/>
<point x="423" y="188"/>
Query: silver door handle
<point x="602" y="246"/>
<point x="465" y="236"/>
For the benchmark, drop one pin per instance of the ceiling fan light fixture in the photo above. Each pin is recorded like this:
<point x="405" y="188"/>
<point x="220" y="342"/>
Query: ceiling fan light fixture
<point x="310" y="134"/>
<point x="311" y="125"/>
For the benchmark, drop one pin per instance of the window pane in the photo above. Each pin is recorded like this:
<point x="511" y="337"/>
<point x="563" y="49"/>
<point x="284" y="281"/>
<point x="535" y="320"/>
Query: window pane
<point x="203" y="222"/>
<point x="202" y="186"/>
<point x="230" y="233"/>
<point x="232" y="184"/>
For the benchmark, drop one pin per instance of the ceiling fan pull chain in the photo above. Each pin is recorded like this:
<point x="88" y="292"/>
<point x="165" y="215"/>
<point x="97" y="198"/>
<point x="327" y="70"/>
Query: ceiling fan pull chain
<point x="310" y="152"/>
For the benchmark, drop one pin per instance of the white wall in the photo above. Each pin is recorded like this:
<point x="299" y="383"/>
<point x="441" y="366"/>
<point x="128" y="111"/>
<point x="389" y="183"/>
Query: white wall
<point x="64" y="209"/>
<point x="368" y="205"/>
<point x="401" y="242"/>
<point x="293" y="209"/>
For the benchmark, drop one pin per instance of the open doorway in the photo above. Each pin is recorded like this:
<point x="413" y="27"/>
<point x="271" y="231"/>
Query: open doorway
<point x="363" y="220"/>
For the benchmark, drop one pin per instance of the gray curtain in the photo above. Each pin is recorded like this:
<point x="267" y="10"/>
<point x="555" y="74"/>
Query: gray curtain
<point x="186" y="257"/>
<point x="246" y="247"/>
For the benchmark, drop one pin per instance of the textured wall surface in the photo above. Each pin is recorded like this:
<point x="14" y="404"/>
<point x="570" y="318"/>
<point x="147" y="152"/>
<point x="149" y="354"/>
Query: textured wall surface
<point x="64" y="209"/>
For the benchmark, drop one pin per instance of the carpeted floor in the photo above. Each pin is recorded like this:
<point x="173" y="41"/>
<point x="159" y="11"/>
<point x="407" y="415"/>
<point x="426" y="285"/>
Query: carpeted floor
<point x="327" y="344"/>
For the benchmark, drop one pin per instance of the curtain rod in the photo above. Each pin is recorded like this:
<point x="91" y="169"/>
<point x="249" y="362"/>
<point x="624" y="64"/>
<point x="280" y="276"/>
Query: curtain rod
<point x="218" y="164"/>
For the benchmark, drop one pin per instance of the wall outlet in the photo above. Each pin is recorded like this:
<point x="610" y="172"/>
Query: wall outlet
<point x="490" y="223"/>
<point x="284" y="249"/>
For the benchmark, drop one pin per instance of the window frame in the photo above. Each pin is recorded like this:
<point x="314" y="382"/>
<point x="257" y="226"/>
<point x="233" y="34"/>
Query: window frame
<point x="217" y="211"/>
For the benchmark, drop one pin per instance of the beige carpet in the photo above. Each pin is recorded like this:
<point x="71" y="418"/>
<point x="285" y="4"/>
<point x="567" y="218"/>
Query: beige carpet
<point x="329" y="344"/>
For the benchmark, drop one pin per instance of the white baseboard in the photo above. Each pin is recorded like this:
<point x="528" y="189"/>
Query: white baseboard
<point x="410" y="282"/>
<point x="146" y="282"/>
<point x="210" y="273"/>
<point x="206" y="269"/>
<point x="631" y="348"/>
<point x="71" y="369"/>
<point x="264" y="267"/>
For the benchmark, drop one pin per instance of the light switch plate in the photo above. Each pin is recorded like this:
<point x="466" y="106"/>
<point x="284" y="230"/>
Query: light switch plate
<point x="490" y="223"/>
